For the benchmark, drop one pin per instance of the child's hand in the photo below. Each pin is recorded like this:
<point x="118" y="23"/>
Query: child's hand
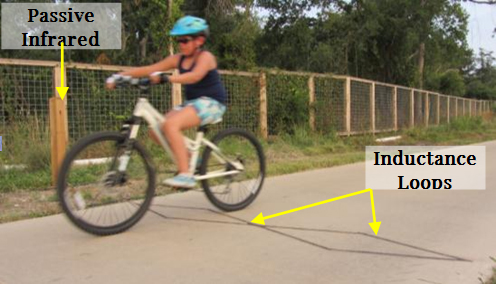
<point x="110" y="84"/>
<point x="159" y="77"/>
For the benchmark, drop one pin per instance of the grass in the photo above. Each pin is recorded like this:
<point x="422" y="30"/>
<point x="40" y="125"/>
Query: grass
<point x="285" y="154"/>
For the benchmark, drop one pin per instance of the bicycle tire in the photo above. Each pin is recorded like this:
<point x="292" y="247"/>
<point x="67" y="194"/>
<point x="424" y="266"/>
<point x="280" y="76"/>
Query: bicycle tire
<point x="63" y="191"/>
<point x="258" y="181"/>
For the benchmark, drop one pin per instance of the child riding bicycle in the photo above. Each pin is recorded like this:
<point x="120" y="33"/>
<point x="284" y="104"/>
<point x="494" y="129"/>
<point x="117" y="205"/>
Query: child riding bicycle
<point x="205" y="93"/>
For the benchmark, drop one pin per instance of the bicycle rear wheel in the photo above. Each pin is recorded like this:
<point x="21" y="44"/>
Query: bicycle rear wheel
<point x="233" y="192"/>
<point x="98" y="196"/>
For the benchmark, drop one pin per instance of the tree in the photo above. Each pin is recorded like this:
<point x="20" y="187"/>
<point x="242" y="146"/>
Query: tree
<point x="233" y="30"/>
<point x="481" y="80"/>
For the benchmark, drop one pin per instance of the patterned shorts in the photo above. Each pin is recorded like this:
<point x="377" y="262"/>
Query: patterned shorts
<point x="208" y="109"/>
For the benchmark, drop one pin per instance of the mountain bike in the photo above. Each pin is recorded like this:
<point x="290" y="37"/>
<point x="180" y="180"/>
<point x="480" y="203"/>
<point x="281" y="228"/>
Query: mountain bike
<point x="106" y="182"/>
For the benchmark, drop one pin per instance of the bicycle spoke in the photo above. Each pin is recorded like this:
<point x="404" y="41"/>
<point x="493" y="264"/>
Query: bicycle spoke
<point x="234" y="191"/>
<point x="98" y="197"/>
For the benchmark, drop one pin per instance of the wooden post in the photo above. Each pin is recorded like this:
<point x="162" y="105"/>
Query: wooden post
<point x="438" y="116"/>
<point x="347" y="103"/>
<point x="57" y="81"/>
<point x="263" y="105"/>
<point x="59" y="128"/>
<point x="448" y="99"/>
<point x="469" y="107"/>
<point x="395" y="108"/>
<point x="372" y="107"/>
<point x="426" y="109"/>
<point x="58" y="134"/>
<point x="311" y="100"/>
<point x="412" y="108"/>
<point x="177" y="97"/>
<point x="456" y="107"/>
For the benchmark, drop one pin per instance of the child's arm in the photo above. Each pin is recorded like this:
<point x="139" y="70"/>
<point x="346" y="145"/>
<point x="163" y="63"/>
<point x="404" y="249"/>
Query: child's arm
<point x="166" y="64"/>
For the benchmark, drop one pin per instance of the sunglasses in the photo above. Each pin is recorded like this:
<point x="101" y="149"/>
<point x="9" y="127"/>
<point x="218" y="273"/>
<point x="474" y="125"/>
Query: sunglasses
<point x="184" y="40"/>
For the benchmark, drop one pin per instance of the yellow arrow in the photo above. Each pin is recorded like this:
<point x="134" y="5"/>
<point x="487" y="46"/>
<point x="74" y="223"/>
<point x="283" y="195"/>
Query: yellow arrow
<point x="62" y="90"/>
<point x="260" y="219"/>
<point x="374" y="225"/>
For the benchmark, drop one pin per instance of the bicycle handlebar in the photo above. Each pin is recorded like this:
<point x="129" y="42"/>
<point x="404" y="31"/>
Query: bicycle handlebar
<point x="121" y="81"/>
<point x="128" y="80"/>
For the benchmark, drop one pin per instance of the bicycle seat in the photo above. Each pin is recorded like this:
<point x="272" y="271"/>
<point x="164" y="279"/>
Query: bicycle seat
<point x="203" y="128"/>
<point x="216" y="121"/>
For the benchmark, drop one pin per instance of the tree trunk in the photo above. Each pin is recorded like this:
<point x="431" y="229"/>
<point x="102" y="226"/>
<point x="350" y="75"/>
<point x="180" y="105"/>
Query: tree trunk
<point x="421" y="62"/>
<point x="143" y="45"/>
<point x="248" y="5"/>
<point x="421" y="53"/>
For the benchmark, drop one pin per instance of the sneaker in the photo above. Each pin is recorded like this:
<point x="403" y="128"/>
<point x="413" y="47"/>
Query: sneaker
<point x="181" y="180"/>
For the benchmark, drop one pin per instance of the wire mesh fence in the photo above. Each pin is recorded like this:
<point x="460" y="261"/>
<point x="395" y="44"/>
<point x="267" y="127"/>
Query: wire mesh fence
<point x="456" y="108"/>
<point x="404" y="107"/>
<point x="418" y="108"/>
<point x="384" y="108"/>
<point x="326" y="103"/>
<point x="360" y="106"/>
<point x="287" y="102"/>
<point x="329" y="104"/>
<point x="243" y="102"/>
<point x="443" y="109"/>
<point x="24" y="95"/>
<point x="92" y="108"/>
<point x="433" y="108"/>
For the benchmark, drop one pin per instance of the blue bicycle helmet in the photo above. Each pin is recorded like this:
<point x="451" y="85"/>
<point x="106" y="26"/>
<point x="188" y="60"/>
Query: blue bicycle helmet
<point x="190" y="25"/>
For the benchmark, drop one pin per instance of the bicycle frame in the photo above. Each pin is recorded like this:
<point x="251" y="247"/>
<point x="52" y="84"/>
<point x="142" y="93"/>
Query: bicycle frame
<point x="145" y="110"/>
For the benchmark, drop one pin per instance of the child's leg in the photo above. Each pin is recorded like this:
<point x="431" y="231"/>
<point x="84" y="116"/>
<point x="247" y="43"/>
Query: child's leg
<point x="152" y="134"/>
<point x="174" y="124"/>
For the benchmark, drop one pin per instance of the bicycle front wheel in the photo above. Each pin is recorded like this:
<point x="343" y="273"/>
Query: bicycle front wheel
<point x="237" y="148"/>
<point x="104" y="186"/>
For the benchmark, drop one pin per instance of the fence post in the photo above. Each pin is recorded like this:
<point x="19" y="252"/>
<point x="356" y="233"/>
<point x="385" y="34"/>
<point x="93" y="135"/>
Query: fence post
<point x="456" y="107"/>
<point x="412" y="108"/>
<point x="372" y="107"/>
<point x="469" y="107"/>
<point x="438" y="116"/>
<point x="347" y="103"/>
<point x="448" y="99"/>
<point x="59" y="134"/>
<point x="426" y="109"/>
<point x="177" y="97"/>
<point x="311" y="98"/>
<point x="263" y="105"/>
<point x="395" y="108"/>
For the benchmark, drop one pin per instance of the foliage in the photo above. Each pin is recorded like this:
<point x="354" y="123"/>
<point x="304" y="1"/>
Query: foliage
<point x="288" y="103"/>
<point x="481" y="80"/>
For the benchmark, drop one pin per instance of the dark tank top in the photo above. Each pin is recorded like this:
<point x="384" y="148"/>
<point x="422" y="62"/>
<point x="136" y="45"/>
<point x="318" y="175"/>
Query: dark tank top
<point x="210" y="86"/>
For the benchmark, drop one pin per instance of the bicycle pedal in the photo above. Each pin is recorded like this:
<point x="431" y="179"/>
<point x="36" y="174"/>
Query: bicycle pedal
<point x="181" y="189"/>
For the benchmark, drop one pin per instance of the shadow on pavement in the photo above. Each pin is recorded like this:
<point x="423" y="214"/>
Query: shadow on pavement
<point x="279" y="230"/>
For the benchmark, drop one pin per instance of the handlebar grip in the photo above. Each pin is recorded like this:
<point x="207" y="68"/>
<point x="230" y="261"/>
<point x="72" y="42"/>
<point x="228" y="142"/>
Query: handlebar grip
<point x="163" y="77"/>
<point x="121" y="81"/>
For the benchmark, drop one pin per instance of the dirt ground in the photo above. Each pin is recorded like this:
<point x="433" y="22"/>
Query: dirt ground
<point x="27" y="204"/>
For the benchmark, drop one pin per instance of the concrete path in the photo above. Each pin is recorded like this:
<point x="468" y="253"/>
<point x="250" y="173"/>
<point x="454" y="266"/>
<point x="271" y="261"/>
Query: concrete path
<point x="425" y="237"/>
